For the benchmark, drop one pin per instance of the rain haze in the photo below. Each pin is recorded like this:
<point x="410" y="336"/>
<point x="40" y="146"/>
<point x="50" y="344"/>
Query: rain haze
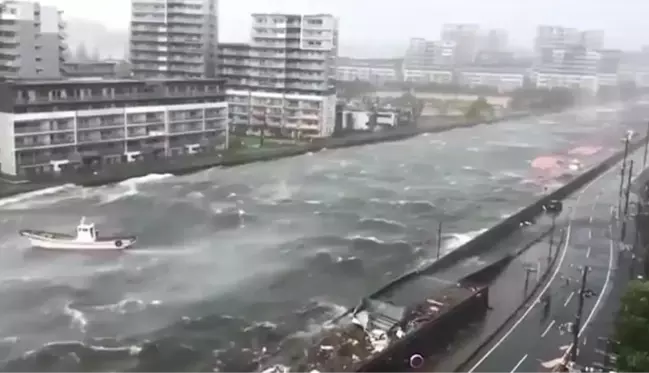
<point x="381" y="29"/>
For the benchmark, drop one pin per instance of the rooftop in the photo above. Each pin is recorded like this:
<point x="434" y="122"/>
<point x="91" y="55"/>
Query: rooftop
<point x="103" y="81"/>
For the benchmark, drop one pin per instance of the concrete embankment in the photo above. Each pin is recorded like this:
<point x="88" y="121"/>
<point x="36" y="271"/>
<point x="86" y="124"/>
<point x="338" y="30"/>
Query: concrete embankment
<point x="189" y="164"/>
<point x="485" y="241"/>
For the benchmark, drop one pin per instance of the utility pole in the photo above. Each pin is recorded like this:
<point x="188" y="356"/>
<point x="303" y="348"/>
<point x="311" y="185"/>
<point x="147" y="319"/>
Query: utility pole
<point x="626" y="201"/>
<point x="439" y="239"/>
<point x="528" y="269"/>
<point x="626" y="153"/>
<point x="646" y="146"/>
<point x="554" y="217"/>
<point x="577" y="324"/>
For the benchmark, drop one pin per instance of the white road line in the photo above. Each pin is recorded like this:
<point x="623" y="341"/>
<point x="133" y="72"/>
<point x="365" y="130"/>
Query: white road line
<point x="601" y="294"/>
<point x="588" y="252"/>
<point x="590" y="220"/>
<point x="565" y="304"/>
<point x="590" y="234"/>
<point x="606" y="284"/>
<point x="519" y="363"/>
<point x="547" y="330"/>
<point x="550" y="279"/>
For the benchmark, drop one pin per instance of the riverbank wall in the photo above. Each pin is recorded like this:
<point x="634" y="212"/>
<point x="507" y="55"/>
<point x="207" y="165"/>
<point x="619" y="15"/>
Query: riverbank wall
<point x="485" y="241"/>
<point x="183" y="165"/>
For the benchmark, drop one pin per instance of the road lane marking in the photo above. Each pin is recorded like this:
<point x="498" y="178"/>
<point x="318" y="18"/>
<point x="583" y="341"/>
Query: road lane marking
<point x="550" y="279"/>
<point x="588" y="252"/>
<point x="565" y="304"/>
<point x="606" y="284"/>
<point x="519" y="363"/>
<point x="590" y="220"/>
<point x="590" y="234"/>
<point x="600" y="296"/>
<point x="547" y="330"/>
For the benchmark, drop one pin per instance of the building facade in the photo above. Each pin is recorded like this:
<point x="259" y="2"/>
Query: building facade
<point x="290" y="57"/>
<point x="98" y="69"/>
<point x="502" y="79"/>
<point x="555" y="37"/>
<point x="376" y="71"/>
<point x="497" y="40"/>
<point x="174" y="38"/>
<point x="51" y="125"/>
<point x="32" y="40"/>
<point x="466" y="38"/>
<point x="425" y="54"/>
<point x="287" y="115"/>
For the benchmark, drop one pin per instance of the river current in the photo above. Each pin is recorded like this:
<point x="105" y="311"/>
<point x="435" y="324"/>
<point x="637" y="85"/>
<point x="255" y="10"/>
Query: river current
<point x="232" y="265"/>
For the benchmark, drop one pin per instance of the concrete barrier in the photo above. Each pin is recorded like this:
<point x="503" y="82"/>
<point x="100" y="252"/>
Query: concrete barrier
<point x="506" y="227"/>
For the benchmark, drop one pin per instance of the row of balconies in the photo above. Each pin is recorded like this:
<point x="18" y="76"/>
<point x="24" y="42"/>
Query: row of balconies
<point x="21" y="130"/>
<point x="167" y="30"/>
<point x="115" y="135"/>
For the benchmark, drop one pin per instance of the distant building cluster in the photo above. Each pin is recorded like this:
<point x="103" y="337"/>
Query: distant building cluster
<point x="182" y="91"/>
<point x="467" y="56"/>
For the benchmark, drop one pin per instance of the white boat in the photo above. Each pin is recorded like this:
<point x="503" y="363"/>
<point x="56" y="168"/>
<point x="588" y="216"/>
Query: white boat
<point x="86" y="238"/>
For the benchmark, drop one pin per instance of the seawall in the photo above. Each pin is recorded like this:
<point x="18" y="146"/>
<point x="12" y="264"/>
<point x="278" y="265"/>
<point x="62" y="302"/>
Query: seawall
<point x="506" y="227"/>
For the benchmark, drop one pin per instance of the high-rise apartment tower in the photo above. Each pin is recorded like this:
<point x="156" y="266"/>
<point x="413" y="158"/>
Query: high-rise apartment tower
<point x="32" y="40"/>
<point x="174" y="38"/>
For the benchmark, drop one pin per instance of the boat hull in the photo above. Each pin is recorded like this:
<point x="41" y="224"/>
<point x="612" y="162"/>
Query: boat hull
<point x="55" y="241"/>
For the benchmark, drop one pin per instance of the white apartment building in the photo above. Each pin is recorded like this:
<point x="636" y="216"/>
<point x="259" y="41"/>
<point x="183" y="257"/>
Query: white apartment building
<point x="548" y="36"/>
<point x="283" y="114"/>
<point x="290" y="56"/>
<point x="549" y="80"/>
<point x="376" y="71"/>
<point x="32" y="40"/>
<point x="53" y="125"/>
<point x="376" y="75"/>
<point x="571" y="66"/>
<point x="504" y="80"/>
<point x="174" y="38"/>
<point x="466" y="38"/>
<point x="425" y="54"/>
<point x="428" y="76"/>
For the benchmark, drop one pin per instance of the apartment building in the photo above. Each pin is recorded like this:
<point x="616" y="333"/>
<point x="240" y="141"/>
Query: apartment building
<point x="429" y="61"/>
<point x="571" y="66"/>
<point x="503" y="79"/>
<point x="174" y="38"/>
<point x="375" y="71"/>
<point x="496" y="40"/>
<point x="47" y="126"/>
<point x="548" y="36"/>
<point x="98" y="69"/>
<point x="32" y="40"/>
<point x="429" y="76"/>
<point x="466" y="38"/>
<point x="292" y="56"/>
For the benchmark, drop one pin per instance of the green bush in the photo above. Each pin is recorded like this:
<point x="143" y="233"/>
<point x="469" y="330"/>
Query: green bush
<point x="632" y="329"/>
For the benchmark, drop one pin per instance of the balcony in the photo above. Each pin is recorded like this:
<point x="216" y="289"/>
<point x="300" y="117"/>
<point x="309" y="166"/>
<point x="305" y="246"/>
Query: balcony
<point x="126" y="97"/>
<point x="101" y="136"/>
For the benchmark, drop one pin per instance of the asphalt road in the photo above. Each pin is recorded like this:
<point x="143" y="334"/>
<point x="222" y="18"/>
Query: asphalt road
<point x="594" y="349"/>
<point x="542" y="334"/>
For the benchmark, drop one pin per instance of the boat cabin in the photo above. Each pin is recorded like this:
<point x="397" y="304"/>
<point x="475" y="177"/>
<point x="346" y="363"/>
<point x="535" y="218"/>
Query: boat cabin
<point x="86" y="232"/>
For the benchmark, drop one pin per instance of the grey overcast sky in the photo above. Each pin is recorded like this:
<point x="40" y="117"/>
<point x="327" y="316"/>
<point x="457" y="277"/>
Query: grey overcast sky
<point x="395" y="21"/>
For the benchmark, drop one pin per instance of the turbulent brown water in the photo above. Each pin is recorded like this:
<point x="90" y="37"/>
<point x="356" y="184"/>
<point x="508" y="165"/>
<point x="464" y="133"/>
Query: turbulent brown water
<point x="236" y="264"/>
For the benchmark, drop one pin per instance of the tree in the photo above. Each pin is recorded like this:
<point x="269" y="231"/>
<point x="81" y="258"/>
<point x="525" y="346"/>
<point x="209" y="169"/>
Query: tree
<point x="479" y="109"/>
<point x="632" y="329"/>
